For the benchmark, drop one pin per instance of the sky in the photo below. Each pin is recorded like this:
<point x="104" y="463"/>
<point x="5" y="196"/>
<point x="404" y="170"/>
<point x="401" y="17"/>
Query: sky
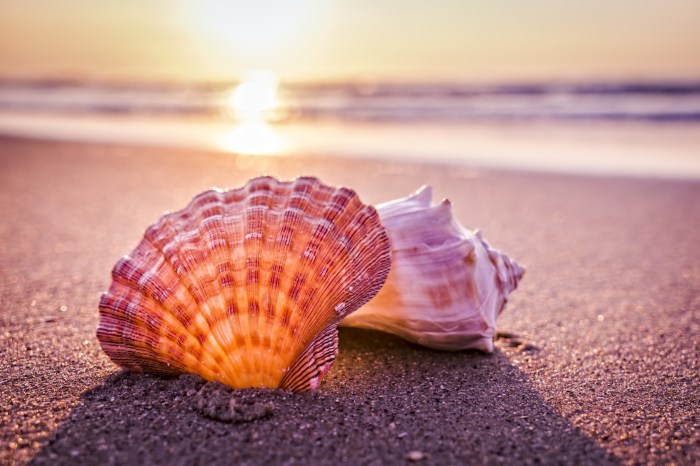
<point x="441" y="40"/>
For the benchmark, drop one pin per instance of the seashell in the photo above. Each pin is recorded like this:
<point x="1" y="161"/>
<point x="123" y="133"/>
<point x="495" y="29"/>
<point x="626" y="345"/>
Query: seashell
<point x="446" y="285"/>
<point x="246" y="286"/>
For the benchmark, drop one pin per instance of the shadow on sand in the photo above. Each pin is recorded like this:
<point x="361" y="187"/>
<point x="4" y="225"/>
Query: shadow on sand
<point x="384" y="401"/>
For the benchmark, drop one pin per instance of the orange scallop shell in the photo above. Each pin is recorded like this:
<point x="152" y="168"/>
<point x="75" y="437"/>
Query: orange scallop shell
<point x="246" y="286"/>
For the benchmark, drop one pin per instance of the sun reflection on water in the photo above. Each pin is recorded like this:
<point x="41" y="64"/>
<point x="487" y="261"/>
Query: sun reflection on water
<point x="252" y="138"/>
<point x="256" y="97"/>
<point x="254" y="103"/>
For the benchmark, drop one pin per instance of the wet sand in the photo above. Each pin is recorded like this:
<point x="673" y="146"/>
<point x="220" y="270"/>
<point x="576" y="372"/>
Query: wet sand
<point x="600" y="365"/>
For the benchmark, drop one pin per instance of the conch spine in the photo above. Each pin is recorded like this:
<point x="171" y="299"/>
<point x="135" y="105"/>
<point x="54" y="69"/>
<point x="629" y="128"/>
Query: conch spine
<point x="446" y="285"/>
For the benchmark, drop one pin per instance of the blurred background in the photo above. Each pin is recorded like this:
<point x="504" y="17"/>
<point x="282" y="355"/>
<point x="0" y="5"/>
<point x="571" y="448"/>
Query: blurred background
<point x="594" y="87"/>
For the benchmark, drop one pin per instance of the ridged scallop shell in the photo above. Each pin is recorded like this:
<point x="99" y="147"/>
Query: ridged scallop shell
<point x="246" y="286"/>
<point x="446" y="285"/>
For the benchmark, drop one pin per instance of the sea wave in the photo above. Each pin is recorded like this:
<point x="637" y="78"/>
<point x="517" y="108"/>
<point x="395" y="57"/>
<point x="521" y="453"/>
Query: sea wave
<point x="665" y="101"/>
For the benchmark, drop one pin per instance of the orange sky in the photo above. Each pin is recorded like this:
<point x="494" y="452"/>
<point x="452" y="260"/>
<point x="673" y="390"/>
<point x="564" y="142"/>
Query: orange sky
<point x="329" y="39"/>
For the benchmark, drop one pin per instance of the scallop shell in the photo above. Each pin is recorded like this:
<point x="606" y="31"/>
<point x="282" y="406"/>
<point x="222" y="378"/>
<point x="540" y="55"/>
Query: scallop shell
<point x="446" y="285"/>
<point x="246" y="286"/>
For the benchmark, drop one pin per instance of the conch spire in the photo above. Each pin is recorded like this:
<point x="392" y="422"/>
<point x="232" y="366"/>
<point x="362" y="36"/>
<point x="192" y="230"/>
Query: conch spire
<point x="446" y="285"/>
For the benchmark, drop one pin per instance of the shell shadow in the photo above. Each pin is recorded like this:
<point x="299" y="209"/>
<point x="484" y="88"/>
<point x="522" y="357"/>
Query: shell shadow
<point x="383" y="399"/>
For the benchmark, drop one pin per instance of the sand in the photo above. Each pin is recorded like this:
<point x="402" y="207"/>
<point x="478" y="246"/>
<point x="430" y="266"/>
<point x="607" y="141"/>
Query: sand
<point x="600" y="365"/>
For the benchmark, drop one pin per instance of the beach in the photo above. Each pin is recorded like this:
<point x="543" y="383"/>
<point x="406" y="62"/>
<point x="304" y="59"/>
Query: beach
<point x="597" y="361"/>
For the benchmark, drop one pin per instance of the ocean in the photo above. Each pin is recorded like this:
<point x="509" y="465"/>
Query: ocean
<point x="674" y="101"/>
<point x="631" y="128"/>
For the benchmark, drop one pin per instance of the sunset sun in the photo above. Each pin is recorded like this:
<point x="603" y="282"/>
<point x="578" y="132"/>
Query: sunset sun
<point x="260" y="32"/>
<point x="255" y="96"/>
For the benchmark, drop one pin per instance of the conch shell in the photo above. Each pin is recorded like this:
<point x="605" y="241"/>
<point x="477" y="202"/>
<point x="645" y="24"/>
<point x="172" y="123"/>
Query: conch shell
<point x="246" y="286"/>
<point x="446" y="285"/>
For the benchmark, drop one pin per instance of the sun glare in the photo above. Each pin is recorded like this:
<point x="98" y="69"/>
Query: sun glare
<point x="254" y="102"/>
<point x="254" y="29"/>
<point x="255" y="97"/>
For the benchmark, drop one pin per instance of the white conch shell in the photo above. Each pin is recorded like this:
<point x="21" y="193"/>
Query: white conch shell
<point x="446" y="285"/>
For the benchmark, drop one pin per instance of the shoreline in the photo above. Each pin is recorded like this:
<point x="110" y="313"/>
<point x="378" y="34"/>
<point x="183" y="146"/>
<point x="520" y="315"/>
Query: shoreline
<point x="599" y="370"/>
<point x="588" y="148"/>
